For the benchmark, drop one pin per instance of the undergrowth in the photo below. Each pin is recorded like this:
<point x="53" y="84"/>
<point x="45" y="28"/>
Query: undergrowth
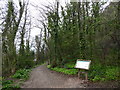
<point x="9" y="85"/>
<point x="65" y="70"/>
<point x="103" y="73"/>
<point x="96" y="72"/>
<point x="22" y="74"/>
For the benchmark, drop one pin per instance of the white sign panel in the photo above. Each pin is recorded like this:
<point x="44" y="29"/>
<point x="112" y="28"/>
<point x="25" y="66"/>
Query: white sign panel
<point x="83" y="64"/>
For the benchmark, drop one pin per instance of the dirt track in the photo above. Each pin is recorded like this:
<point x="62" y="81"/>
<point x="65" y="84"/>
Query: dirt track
<point x="41" y="77"/>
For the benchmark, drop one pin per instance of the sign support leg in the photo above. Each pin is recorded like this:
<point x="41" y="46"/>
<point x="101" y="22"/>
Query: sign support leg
<point x="86" y="76"/>
<point x="78" y="73"/>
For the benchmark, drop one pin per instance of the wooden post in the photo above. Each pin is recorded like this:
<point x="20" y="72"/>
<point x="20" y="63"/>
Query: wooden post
<point x="78" y="73"/>
<point x="86" y="76"/>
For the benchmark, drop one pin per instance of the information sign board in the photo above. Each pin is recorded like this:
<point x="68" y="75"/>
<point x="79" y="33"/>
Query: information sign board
<point x="83" y="64"/>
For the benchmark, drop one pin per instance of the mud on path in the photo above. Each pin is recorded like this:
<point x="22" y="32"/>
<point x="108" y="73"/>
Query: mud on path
<point x="41" y="77"/>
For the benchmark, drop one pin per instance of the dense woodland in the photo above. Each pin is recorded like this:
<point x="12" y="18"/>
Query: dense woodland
<point x="80" y="30"/>
<point x="85" y="31"/>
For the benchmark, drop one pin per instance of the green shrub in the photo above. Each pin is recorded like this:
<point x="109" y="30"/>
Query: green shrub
<point x="70" y="65"/>
<point x="10" y="87"/>
<point x="49" y="66"/>
<point x="103" y="73"/>
<point x="112" y="73"/>
<point x="98" y="78"/>
<point x="95" y="72"/>
<point x="25" y="61"/>
<point x="5" y="82"/>
<point x="1" y="78"/>
<point x="22" y="74"/>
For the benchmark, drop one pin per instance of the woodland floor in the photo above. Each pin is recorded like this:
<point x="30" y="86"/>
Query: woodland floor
<point x="42" y="77"/>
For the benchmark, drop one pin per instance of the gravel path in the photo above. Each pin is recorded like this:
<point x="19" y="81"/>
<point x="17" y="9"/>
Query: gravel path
<point x="41" y="77"/>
